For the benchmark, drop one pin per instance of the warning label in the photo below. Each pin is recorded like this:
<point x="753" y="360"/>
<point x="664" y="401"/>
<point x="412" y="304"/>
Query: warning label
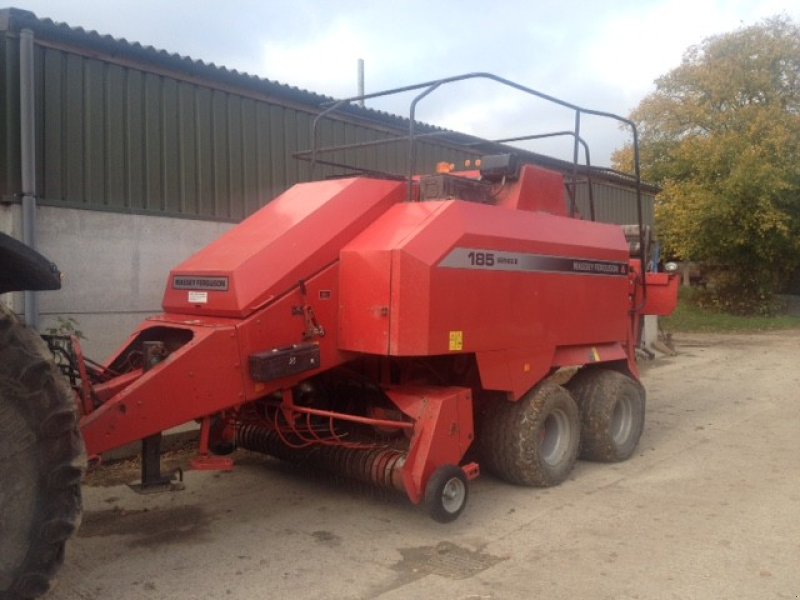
<point x="456" y="340"/>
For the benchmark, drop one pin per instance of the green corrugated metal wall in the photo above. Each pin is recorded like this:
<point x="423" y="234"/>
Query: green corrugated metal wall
<point x="117" y="137"/>
<point x="10" y="183"/>
<point x="120" y="135"/>
<point x="615" y="204"/>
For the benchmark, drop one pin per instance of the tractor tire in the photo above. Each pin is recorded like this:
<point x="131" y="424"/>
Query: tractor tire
<point x="42" y="459"/>
<point x="612" y="407"/>
<point x="533" y="441"/>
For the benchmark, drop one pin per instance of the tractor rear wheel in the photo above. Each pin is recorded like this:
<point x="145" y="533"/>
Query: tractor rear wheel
<point x="612" y="407"/>
<point x="533" y="441"/>
<point x="42" y="458"/>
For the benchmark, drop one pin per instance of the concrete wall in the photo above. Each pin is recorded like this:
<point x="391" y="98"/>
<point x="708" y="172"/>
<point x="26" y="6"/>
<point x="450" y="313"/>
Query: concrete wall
<point x="115" y="267"/>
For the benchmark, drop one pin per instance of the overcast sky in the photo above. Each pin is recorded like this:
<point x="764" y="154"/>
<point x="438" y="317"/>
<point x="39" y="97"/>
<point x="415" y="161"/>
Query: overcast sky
<point x="602" y="54"/>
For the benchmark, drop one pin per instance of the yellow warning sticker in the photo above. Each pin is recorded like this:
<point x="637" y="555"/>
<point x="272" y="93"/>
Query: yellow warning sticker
<point x="456" y="340"/>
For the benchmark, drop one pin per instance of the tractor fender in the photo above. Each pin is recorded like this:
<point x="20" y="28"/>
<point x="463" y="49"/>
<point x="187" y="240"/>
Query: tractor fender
<point x="25" y="269"/>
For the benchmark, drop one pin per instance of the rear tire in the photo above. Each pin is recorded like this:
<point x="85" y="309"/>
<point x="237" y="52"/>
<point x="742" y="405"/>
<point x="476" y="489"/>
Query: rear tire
<point x="42" y="458"/>
<point x="533" y="441"/>
<point x="612" y="413"/>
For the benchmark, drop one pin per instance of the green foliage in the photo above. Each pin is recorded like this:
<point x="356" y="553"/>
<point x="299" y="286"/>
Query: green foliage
<point x="738" y="294"/>
<point x="66" y="326"/>
<point x="721" y="136"/>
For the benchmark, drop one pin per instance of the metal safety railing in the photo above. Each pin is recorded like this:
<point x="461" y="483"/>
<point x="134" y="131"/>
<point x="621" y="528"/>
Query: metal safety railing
<point x="469" y="142"/>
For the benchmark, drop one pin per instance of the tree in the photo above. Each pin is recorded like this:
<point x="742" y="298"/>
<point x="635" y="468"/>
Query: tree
<point x="721" y="136"/>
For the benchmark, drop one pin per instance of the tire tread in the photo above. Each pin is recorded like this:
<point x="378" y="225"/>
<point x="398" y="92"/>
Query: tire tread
<point x="595" y="389"/>
<point x="506" y="437"/>
<point x="32" y="385"/>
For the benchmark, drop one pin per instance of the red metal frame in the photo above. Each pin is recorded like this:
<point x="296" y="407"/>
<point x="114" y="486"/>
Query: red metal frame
<point x="205" y="461"/>
<point x="662" y="294"/>
<point x="349" y="266"/>
<point x="443" y="431"/>
<point x="86" y="388"/>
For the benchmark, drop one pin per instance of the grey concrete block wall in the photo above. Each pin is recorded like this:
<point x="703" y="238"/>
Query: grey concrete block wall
<point x="115" y="268"/>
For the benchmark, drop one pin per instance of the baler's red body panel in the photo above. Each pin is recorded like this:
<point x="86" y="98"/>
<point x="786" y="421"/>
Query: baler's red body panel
<point x="409" y="288"/>
<point x="538" y="190"/>
<point x="662" y="294"/>
<point x="294" y="237"/>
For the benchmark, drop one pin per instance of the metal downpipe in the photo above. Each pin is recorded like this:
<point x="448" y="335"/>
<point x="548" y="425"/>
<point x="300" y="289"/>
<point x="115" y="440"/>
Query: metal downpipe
<point x="28" y="159"/>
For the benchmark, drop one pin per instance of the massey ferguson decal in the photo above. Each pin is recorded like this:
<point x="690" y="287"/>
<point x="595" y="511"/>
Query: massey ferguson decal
<point x="474" y="258"/>
<point x="187" y="282"/>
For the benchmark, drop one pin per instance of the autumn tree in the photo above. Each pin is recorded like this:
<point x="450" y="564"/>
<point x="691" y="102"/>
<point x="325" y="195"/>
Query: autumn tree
<point x="721" y="136"/>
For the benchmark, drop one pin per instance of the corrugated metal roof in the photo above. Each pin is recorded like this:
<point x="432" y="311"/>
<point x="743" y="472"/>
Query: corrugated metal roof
<point x="122" y="126"/>
<point x="14" y="19"/>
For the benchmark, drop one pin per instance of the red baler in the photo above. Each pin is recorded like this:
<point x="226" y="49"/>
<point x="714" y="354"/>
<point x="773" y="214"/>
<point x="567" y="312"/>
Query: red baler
<point x="382" y="328"/>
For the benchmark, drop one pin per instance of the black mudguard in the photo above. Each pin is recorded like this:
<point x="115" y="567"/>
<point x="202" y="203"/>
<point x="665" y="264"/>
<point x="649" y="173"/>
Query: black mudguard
<point x="22" y="268"/>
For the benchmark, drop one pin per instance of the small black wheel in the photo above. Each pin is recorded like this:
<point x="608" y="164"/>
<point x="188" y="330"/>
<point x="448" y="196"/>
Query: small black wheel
<point x="612" y="409"/>
<point x="446" y="493"/>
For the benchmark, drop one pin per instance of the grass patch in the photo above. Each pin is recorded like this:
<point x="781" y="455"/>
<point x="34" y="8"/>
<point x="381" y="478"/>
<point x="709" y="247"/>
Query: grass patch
<point x="689" y="317"/>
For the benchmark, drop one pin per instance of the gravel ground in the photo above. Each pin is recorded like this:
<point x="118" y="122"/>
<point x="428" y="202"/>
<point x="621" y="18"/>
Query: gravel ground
<point x="709" y="507"/>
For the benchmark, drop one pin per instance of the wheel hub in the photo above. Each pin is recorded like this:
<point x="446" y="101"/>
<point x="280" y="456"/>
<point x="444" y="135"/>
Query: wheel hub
<point x="453" y="495"/>
<point x="555" y="438"/>
<point x="622" y="421"/>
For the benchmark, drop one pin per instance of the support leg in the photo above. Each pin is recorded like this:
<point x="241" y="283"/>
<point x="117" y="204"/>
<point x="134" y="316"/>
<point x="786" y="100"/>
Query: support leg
<point x="152" y="480"/>
<point x="204" y="461"/>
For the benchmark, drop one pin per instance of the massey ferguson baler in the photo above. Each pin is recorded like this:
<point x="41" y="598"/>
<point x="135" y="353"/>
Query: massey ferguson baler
<point x="399" y="331"/>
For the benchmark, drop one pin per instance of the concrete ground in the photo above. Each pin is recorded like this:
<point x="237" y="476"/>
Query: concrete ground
<point x="709" y="507"/>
